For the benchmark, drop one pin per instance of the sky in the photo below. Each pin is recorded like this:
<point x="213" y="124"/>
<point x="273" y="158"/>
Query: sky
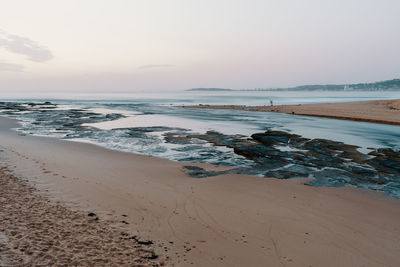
<point x="149" y="45"/>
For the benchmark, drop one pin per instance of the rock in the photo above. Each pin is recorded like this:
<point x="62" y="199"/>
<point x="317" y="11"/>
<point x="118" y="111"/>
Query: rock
<point x="273" y="137"/>
<point x="294" y="171"/>
<point x="198" y="172"/>
<point x="170" y="138"/>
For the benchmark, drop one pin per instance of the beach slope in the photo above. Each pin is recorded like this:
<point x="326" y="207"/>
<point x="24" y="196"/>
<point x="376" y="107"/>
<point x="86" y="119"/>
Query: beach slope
<point x="227" y="220"/>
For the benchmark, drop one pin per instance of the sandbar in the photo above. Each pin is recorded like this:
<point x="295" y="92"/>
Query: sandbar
<point x="376" y="111"/>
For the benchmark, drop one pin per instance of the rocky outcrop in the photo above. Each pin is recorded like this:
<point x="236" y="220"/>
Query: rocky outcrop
<point x="284" y="155"/>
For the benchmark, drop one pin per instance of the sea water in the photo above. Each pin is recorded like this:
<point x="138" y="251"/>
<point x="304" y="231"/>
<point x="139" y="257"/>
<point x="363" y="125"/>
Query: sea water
<point x="139" y="122"/>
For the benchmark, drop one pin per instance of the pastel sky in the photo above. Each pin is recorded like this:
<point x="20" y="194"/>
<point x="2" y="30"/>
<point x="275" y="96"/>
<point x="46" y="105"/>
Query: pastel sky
<point x="129" y="45"/>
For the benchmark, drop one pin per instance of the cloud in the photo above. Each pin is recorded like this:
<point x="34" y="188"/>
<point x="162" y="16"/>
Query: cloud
<point x="151" y="66"/>
<point x="25" y="46"/>
<point x="11" y="67"/>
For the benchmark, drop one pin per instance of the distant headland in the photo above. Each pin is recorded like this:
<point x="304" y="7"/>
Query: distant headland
<point x="210" y="89"/>
<point x="389" y="85"/>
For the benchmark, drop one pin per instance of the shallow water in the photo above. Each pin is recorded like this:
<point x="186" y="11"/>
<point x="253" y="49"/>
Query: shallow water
<point x="139" y="123"/>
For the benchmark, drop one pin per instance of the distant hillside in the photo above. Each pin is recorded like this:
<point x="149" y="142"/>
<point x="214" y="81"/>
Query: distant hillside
<point x="209" y="89"/>
<point x="389" y="85"/>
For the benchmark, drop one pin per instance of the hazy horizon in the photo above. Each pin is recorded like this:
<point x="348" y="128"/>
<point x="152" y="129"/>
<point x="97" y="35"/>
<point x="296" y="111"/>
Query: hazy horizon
<point x="127" y="46"/>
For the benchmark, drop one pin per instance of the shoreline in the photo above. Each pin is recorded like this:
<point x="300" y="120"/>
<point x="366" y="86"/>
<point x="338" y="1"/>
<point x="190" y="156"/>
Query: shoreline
<point x="226" y="220"/>
<point x="374" y="111"/>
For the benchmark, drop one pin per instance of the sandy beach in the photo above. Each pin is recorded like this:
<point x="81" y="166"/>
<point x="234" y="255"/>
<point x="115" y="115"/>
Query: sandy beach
<point x="35" y="231"/>
<point x="377" y="111"/>
<point x="226" y="220"/>
<point x="200" y="133"/>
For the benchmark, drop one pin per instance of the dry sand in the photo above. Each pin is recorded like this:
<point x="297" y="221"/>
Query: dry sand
<point x="34" y="231"/>
<point x="379" y="111"/>
<point x="228" y="220"/>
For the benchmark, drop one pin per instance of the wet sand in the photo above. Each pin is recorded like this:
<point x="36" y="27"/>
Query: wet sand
<point x="379" y="111"/>
<point x="227" y="220"/>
